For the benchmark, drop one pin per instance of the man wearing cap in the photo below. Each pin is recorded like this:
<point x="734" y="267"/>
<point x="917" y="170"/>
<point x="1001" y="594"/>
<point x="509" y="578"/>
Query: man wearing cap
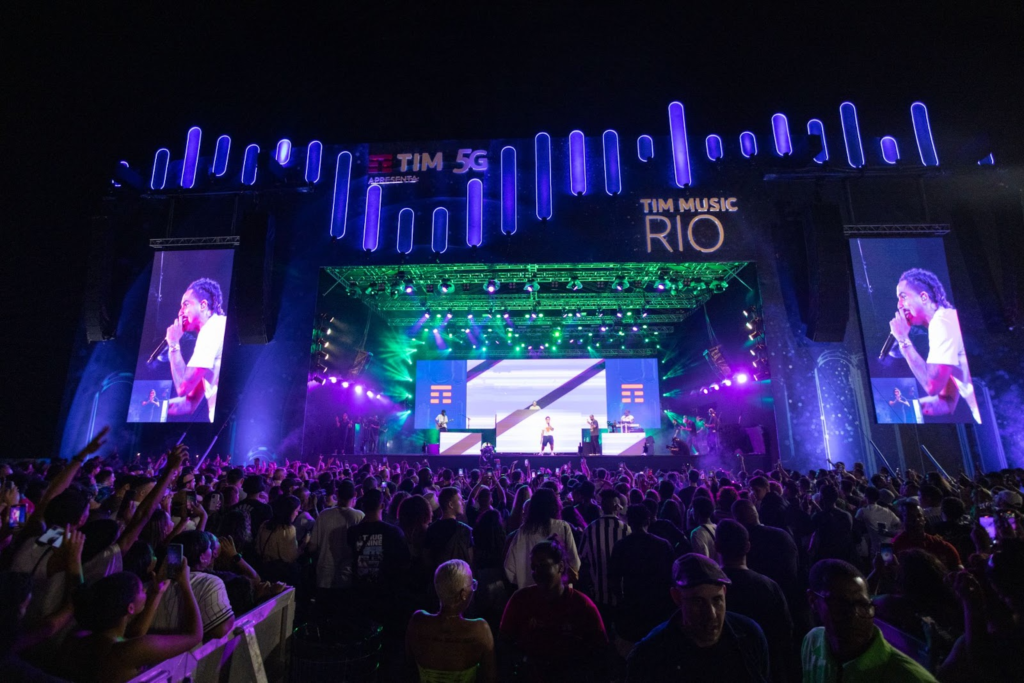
<point x="701" y="640"/>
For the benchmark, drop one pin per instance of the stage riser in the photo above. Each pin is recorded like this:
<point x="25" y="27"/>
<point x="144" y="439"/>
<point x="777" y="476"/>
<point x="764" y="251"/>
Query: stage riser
<point x="608" y="462"/>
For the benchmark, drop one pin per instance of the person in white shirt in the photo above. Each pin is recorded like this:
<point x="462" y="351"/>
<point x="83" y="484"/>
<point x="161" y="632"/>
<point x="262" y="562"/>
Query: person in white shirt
<point x="547" y="436"/>
<point x="329" y="543"/>
<point x="944" y="375"/>
<point x="202" y="312"/>
<point x="442" y="421"/>
<point x="882" y="523"/>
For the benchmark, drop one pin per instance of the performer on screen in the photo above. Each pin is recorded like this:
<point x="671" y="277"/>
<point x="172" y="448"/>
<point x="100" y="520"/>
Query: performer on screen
<point x="442" y="421"/>
<point x="547" y="436"/>
<point x="899" y="405"/>
<point x="944" y="375"/>
<point x="151" y="408"/>
<point x="595" y="433"/>
<point x="202" y="312"/>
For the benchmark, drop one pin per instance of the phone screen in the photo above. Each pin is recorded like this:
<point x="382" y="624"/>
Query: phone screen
<point x="17" y="516"/>
<point x="174" y="559"/>
<point x="887" y="555"/>
<point x="988" y="523"/>
<point x="54" y="537"/>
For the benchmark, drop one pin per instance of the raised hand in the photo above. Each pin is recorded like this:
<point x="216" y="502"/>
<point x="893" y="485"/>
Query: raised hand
<point x="97" y="443"/>
<point x="69" y="555"/>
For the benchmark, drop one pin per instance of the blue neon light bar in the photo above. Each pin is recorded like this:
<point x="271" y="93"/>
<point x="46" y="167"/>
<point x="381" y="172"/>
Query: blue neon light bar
<point x="249" y="160"/>
<point x="158" y="178"/>
<point x="406" y="220"/>
<point x="645" y="148"/>
<point x="439" y="230"/>
<point x="314" y="152"/>
<point x="508" y="190"/>
<point x="923" y="134"/>
<point x="612" y="172"/>
<point x="851" y="134"/>
<point x="890" y="150"/>
<point x="577" y="163"/>
<point x="190" y="164"/>
<point x="816" y="127"/>
<point x="475" y="212"/>
<point x="713" y="144"/>
<point x="339" y="204"/>
<point x="220" y="156"/>
<point x="680" y="148"/>
<point x="780" y="128"/>
<point x="371" y="219"/>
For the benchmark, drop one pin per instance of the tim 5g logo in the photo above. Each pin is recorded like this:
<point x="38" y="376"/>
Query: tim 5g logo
<point x="466" y="160"/>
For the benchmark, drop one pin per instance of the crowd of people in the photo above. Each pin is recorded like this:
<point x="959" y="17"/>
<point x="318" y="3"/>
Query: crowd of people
<point x="508" y="572"/>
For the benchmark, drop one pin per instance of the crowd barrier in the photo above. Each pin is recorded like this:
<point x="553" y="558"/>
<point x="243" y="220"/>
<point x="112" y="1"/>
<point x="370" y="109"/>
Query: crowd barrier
<point x="255" y="650"/>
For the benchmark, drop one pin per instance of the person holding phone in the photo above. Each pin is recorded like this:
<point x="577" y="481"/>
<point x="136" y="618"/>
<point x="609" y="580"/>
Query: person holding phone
<point x="115" y="616"/>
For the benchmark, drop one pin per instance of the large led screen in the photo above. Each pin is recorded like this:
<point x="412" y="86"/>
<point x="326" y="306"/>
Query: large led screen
<point x="178" y="368"/>
<point x="516" y="396"/>
<point x="916" y="357"/>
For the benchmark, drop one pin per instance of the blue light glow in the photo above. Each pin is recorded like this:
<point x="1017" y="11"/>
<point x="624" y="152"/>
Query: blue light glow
<point x="508" y="190"/>
<point x="990" y="160"/>
<point x="890" y="150"/>
<point x="283" y="153"/>
<point x="851" y="134"/>
<point x="542" y="150"/>
<point x="339" y="204"/>
<point x="406" y="219"/>
<point x="158" y="179"/>
<point x="923" y="134"/>
<point x="816" y="127"/>
<point x="577" y="163"/>
<point x="371" y="224"/>
<point x="680" y="147"/>
<point x="612" y="174"/>
<point x="190" y="163"/>
<point x="645" y="148"/>
<point x="439" y="230"/>
<point x="220" y="156"/>
<point x="249" y="160"/>
<point x="780" y="127"/>
<point x="314" y="152"/>
<point x="475" y="212"/>
<point x="748" y="144"/>
<point x="713" y="143"/>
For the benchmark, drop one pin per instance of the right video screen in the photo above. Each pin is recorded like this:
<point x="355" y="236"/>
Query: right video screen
<point x="916" y="357"/>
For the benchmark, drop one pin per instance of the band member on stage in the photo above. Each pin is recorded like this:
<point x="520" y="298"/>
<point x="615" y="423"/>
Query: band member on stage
<point x="547" y="436"/>
<point x="595" y="433"/>
<point x="151" y="408"/>
<point x="346" y="434"/>
<point x="944" y="375"/>
<point x="627" y="421"/>
<point x="442" y="421"/>
<point x="688" y="434"/>
<point x="899" y="405"/>
<point x="202" y="312"/>
<point x="534" y="406"/>
<point x="712" y="423"/>
<point x="372" y="425"/>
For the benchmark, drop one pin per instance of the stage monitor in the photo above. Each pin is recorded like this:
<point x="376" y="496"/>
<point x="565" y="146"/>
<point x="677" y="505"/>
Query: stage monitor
<point x="515" y="395"/>
<point x="178" y="367"/>
<point x="916" y="357"/>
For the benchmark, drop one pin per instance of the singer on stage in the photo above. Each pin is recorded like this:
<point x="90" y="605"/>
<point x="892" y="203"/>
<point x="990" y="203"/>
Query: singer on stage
<point x="944" y="375"/>
<point x="201" y="312"/>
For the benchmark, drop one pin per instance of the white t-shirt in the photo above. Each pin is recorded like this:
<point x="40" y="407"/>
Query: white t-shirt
<point x="48" y="591"/>
<point x="207" y="354"/>
<point x="628" y="418"/>
<point x="873" y="513"/>
<point x="211" y="596"/>
<point x="946" y="347"/>
<point x="330" y="538"/>
<point x="442" y="420"/>
<point x="517" y="560"/>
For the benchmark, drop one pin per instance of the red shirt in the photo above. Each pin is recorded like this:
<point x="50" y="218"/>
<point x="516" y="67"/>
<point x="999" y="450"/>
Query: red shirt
<point x="552" y="633"/>
<point x="946" y="553"/>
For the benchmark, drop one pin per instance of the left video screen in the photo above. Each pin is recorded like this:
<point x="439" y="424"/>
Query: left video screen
<point x="178" y="367"/>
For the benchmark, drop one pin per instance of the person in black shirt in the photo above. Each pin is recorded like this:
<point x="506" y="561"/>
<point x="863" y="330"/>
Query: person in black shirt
<point x="701" y="641"/>
<point x="448" y="538"/>
<point x="380" y="562"/>
<point x="640" y="575"/>
<point x="758" y="597"/>
<point x="833" y="529"/>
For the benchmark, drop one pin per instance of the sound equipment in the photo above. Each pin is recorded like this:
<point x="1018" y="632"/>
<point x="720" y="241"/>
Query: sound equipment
<point x="251" y="298"/>
<point x="828" y="273"/>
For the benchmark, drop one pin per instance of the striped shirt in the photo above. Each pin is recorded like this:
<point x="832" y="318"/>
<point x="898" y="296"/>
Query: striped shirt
<point x="211" y="596"/>
<point x="595" y="553"/>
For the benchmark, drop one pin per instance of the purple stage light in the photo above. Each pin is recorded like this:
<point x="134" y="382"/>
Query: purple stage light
<point x="714" y="387"/>
<point x="726" y="382"/>
<point x="334" y="380"/>
<point x="742" y="378"/>
<point x="344" y="385"/>
<point x="370" y="394"/>
<point x="359" y="388"/>
<point x="703" y="390"/>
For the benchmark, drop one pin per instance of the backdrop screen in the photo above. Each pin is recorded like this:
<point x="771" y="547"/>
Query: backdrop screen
<point x="178" y="368"/>
<point x="903" y="289"/>
<point x="500" y="394"/>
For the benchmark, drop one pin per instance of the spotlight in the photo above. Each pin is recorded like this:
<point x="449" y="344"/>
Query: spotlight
<point x="727" y="382"/>
<point x="532" y="285"/>
<point x="746" y="313"/>
<point x="742" y="378"/>
<point x="574" y="284"/>
<point x="619" y="312"/>
<point x="409" y="288"/>
<point x="604" y="328"/>
<point x="579" y="312"/>
<point x="703" y="390"/>
<point x="320" y="367"/>
<point x="620" y="283"/>
<point x="469" y="315"/>
<point x="635" y="328"/>
<point x="426" y="313"/>
<point x="370" y="394"/>
<point x="370" y="289"/>
<point x="344" y="385"/>
<point x="491" y="286"/>
<point x="446" y="285"/>
<point x="319" y="380"/>
<point x="449" y="314"/>
<point x="505" y="314"/>
<point x="599" y="313"/>
<point x="719" y="286"/>
<point x="661" y="284"/>
<point x="643" y="312"/>
<point x="334" y="380"/>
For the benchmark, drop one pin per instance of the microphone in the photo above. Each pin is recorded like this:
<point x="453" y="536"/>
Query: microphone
<point x="159" y="349"/>
<point x="887" y="346"/>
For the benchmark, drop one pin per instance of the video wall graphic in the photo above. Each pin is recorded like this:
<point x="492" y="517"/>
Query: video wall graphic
<point x="916" y="357"/>
<point x="520" y="397"/>
<point x="178" y="368"/>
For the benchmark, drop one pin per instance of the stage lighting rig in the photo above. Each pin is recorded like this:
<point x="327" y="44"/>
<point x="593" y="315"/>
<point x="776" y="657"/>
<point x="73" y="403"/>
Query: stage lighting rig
<point x="446" y="285"/>
<point x="574" y="284"/>
<point x="532" y="285"/>
<point x="620" y="283"/>
<point x="492" y="286"/>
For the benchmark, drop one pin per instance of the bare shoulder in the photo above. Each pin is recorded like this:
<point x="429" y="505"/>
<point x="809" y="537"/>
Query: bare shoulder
<point x="482" y="630"/>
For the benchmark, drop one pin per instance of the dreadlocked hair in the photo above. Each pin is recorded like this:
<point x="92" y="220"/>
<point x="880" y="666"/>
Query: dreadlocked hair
<point x="925" y="281"/>
<point x="205" y="288"/>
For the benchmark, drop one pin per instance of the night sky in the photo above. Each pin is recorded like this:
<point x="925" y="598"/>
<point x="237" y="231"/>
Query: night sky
<point x="84" y="88"/>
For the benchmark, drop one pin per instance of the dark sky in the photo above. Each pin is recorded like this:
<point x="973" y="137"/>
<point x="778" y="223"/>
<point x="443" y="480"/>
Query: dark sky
<point x="83" y="88"/>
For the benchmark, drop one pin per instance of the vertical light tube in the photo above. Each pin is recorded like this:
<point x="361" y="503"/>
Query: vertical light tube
<point x="339" y="204"/>
<point x="612" y="170"/>
<point x="475" y="212"/>
<point x="249" y="160"/>
<point x="816" y="127"/>
<point x="220" y="155"/>
<point x="158" y="178"/>
<point x="890" y="150"/>
<point x="314" y="152"/>
<point x="439" y="230"/>
<point x="542" y="150"/>
<point x="713" y="143"/>
<point x="645" y="148"/>
<point x="680" y="147"/>
<point x="577" y="163"/>
<point x="748" y="144"/>
<point x="406" y="220"/>
<point x="851" y="134"/>
<point x="780" y="128"/>
<point x="371" y="219"/>
<point x="923" y="134"/>
<point x="283" y="152"/>
<point x="508" y="190"/>
<point x="190" y="164"/>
